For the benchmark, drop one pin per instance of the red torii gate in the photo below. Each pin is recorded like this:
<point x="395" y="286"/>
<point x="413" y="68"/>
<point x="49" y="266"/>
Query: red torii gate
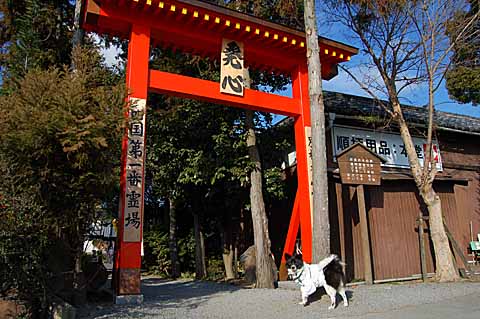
<point x="198" y="27"/>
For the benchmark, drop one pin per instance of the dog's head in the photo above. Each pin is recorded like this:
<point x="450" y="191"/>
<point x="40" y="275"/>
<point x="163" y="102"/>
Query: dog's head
<point x="294" y="265"/>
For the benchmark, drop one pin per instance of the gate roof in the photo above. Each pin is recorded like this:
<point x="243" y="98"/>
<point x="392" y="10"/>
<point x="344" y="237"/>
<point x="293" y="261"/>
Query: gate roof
<point x="198" y="27"/>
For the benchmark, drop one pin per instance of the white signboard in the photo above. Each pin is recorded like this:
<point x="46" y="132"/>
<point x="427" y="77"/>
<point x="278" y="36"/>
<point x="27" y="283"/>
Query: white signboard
<point x="388" y="145"/>
<point x="231" y="71"/>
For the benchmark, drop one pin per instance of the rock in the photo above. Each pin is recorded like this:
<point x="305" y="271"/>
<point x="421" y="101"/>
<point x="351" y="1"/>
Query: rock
<point x="10" y="309"/>
<point x="64" y="311"/>
<point x="249" y="262"/>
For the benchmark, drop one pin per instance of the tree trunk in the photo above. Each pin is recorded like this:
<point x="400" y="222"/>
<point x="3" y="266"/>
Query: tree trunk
<point x="320" y="220"/>
<point x="78" y="33"/>
<point x="265" y="278"/>
<point x="173" y="239"/>
<point x="227" y="239"/>
<point x="444" y="262"/>
<point x="227" y="256"/>
<point x="200" y="267"/>
<point x="446" y="269"/>
<point x="264" y="262"/>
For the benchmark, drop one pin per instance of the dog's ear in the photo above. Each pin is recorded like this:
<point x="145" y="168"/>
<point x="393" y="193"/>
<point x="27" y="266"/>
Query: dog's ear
<point x="298" y="256"/>
<point x="287" y="256"/>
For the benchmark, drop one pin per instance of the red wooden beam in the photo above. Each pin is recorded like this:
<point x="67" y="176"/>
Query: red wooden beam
<point x="187" y="87"/>
<point x="291" y="237"/>
<point x="292" y="230"/>
<point x="301" y="125"/>
<point x="197" y="33"/>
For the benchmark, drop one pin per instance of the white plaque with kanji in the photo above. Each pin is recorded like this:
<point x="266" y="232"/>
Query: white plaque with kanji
<point x="231" y="71"/>
<point x="133" y="207"/>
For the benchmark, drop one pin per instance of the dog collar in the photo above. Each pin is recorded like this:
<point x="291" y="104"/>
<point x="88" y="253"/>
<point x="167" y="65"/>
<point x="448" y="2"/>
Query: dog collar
<point x="298" y="277"/>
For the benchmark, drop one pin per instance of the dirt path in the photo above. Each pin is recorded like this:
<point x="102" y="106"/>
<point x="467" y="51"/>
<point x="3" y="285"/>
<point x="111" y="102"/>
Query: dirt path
<point x="195" y="299"/>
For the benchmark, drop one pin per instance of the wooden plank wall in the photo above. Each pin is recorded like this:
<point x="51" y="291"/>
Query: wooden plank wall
<point x="467" y="199"/>
<point x="394" y="241"/>
<point x="392" y="211"/>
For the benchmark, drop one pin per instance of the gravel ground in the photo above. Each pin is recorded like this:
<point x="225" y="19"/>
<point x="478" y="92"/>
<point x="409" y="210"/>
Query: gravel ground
<point x="196" y="299"/>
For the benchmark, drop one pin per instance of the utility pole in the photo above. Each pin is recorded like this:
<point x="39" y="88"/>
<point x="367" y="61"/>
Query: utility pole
<point x="320" y="220"/>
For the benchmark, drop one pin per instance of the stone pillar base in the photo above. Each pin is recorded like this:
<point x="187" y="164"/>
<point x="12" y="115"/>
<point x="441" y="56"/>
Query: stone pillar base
<point x="129" y="299"/>
<point x="128" y="281"/>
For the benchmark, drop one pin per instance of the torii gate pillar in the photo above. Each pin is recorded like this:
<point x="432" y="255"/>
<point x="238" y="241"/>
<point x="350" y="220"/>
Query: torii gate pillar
<point x="128" y="254"/>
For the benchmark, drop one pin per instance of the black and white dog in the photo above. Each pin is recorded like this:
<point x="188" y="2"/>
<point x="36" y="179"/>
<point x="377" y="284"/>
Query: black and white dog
<point x="328" y="273"/>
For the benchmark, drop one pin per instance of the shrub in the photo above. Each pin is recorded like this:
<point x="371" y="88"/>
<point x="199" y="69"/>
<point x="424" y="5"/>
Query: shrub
<point x="59" y="159"/>
<point x="157" y="254"/>
<point x="215" y="269"/>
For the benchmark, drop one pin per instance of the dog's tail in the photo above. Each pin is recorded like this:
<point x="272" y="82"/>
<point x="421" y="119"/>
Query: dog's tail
<point x="326" y="261"/>
<point x="339" y="261"/>
<point x="338" y="266"/>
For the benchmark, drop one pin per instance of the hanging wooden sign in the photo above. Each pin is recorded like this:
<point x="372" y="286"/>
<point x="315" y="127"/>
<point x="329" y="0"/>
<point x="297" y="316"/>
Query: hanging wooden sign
<point x="359" y="165"/>
<point x="231" y="71"/>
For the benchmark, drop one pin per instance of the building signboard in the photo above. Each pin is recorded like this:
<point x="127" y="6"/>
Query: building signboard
<point x="359" y="165"/>
<point x="387" y="145"/>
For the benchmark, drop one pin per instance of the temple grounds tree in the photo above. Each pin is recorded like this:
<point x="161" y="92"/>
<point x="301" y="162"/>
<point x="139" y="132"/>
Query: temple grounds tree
<point x="34" y="34"/>
<point x="286" y="12"/>
<point x="193" y="147"/>
<point x="61" y="133"/>
<point x="463" y="76"/>
<point x="407" y="43"/>
<point x="320" y="221"/>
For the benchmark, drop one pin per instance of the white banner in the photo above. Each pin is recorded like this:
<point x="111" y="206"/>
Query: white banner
<point x="388" y="145"/>
<point x="133" y="210"/>
<point x="231" y="70"/>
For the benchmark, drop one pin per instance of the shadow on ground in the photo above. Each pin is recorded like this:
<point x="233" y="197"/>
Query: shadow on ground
<point x="161" y="295"/>
<point x="321" y="294"/>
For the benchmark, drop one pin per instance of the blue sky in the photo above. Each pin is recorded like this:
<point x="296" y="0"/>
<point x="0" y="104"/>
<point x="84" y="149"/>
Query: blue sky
<point x="415" y="95"/>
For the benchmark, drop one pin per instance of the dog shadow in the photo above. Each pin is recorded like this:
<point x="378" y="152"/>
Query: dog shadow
<point x="320" y="292"/>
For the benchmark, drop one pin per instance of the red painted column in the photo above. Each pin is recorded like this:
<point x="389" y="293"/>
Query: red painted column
<point x="302" y="128"/>
<point x="292" y="230"/>
<point x="130" y="230"/>
<point x="292" y="233"/>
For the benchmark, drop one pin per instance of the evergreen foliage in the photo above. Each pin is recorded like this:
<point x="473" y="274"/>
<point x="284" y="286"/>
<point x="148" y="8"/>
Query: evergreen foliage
<point x="59" y="154"/>
<point x="33" y="34"/>
<point x="463" y="77"/>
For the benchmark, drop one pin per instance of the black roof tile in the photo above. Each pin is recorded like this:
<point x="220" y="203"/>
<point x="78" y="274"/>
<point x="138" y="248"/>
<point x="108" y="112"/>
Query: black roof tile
<point x="352" y="105"/>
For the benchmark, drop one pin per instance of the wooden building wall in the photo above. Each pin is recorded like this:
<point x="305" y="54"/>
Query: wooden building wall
<point x="393" y="208"/>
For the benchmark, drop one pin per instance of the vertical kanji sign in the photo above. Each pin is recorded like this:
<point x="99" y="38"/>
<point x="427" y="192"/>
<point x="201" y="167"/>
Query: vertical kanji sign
<point x="309" y="146"/>
<point x="231" y="71"/>
<point x="133" y="209"/>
